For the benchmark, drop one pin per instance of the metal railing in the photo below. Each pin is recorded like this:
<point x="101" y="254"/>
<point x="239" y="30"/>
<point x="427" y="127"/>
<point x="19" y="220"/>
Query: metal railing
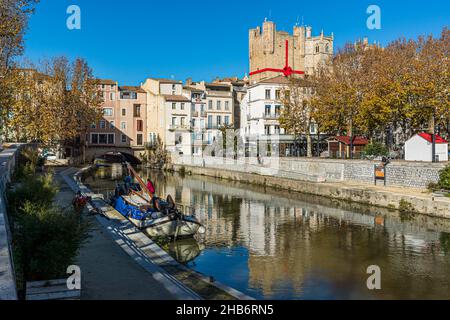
<point x="271" y="116"/>
<point x="181" y="127"/>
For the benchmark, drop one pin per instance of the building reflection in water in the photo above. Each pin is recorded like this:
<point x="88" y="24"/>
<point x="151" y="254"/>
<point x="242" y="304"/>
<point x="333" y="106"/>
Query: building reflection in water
<point x="277" y="245"/>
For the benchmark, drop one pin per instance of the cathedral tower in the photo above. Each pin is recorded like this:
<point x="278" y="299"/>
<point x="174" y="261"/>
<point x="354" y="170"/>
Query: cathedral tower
<point x="267" y="49"/>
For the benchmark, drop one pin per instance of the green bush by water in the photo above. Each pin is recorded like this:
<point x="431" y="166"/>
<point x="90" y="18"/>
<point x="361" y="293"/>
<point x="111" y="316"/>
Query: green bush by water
<point x="444" y="181"/>
<point x="47" y="240"/>
<point x="444" y="178"/>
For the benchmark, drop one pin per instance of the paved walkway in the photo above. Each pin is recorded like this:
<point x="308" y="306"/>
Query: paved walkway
<point x="107" y="272"/>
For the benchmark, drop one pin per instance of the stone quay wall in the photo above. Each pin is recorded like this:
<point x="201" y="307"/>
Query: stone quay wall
<point x="399" y="174"/>
<point x="8" y="161"/>
<point x="323" y="178"/>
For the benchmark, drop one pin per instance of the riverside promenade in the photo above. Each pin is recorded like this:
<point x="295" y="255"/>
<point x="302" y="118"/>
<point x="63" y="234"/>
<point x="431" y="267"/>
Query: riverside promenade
<point x="109" y="268"/>
<point x="123" y="263"/>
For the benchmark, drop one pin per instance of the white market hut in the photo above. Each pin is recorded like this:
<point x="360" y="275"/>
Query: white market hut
<point x="419" y="148"/>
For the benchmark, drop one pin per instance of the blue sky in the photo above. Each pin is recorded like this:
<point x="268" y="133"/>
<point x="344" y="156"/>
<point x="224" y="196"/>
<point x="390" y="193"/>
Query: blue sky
<point x="131" y="40"/>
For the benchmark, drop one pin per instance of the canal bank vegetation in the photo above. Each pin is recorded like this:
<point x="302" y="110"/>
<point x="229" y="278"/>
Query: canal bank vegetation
<point x="155" y="155"/>
<point x="443" y="185"/>
<point x="46" y="238"/>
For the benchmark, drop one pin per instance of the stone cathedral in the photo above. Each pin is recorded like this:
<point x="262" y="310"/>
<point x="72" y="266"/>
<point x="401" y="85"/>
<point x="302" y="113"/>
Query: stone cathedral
<point x="268" y="49"/>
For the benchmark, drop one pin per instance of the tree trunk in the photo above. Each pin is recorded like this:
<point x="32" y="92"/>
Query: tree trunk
<point x="309" y="144"/>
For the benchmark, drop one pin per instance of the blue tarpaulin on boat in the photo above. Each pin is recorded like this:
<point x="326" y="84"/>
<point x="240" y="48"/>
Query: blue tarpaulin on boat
<point x="129" y="211"/>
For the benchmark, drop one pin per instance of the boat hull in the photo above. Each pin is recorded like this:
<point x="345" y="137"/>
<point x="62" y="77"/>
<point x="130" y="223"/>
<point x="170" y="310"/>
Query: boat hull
<point x="168" y="227"/>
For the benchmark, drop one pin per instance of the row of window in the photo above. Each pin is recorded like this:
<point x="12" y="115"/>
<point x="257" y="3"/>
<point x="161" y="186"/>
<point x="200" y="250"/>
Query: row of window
<point x="182" y="121"/>
<point x="109" y="139"/>
<point x="226" y="121"/>
<point x="125" y="95"/>
<point x="269" y="110"/>
<point x="210" y="105"/>
<point x="269" y="94"/>
<point x="112" y="87"/>
<point x="123" y="125"/>
<point x="109" y="112"/>
<point x="219" y="105"/>
<point x="269" y="130"/>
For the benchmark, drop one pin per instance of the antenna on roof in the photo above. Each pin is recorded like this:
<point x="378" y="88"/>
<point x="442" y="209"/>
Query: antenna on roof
<point x="297" y="23"/>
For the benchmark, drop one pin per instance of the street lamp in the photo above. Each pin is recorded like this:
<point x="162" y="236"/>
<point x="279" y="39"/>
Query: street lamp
<point x="433" y="139"/>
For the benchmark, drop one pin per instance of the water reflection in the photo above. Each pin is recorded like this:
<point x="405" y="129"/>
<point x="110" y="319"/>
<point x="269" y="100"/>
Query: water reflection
<point x="277" y="245"/>
<point x="185" y="250"/>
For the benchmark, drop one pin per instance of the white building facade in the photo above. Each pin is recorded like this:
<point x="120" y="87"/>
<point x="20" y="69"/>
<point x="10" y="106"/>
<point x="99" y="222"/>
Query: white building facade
<point x="419" y="148"/>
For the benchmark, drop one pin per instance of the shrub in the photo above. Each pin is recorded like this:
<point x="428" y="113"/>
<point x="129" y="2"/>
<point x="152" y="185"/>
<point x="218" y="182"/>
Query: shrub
<point x="376" y="149"/>
<point x="406" y="207"/>
<point x="444" y="178"/>
<point x="38" y="190"/>
<point x="29" y="160"/>
<point x="47" y="240"/>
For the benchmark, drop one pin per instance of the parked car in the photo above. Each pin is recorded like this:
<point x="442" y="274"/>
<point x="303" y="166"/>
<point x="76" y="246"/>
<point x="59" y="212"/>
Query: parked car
<point x="50" y="156"/>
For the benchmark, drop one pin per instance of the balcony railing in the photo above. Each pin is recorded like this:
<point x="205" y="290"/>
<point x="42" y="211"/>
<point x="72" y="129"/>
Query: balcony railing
<point x="265" y="116"/>
<point x="180" y="127"/>
<point x="195" y="114"/>
<point x="271" y="116"/>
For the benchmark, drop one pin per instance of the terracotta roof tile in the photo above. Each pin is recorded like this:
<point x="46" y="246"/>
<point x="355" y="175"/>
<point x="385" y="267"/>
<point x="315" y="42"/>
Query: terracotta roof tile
<point x="132" y="88"/>
<point x="175" y="98"/>
<point x="357" y="140"/>
<point x="106" y="81"/>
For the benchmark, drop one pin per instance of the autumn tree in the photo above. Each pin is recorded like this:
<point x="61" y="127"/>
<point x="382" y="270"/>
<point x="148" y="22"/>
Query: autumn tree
<point x="56" y="102"/>
<point x="397" y="90"/>
<point x="14" y="16"/>
<point x="297" y="114"/>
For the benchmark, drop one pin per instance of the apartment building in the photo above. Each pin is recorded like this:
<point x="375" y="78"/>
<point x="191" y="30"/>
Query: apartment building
<point x="123" y="126"/>
<point x="198" y="116"/>
<point x="260" y="114"/>
<point x="213" y="108"/>
<point x="169" y="114"/>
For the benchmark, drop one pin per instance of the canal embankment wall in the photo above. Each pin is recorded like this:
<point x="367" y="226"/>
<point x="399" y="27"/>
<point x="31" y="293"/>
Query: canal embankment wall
<point x="8" y="161"/>
<point x="398" y="173"/>
<point x="352" y="181"/>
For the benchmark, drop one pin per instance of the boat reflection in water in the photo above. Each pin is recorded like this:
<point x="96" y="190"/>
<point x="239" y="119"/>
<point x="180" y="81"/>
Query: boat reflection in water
<point x="186" y="250"/>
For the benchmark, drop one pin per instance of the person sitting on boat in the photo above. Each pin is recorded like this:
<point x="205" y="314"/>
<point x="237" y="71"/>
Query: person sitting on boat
<point x="128" y="182"/>
<point x="150" y="187"/>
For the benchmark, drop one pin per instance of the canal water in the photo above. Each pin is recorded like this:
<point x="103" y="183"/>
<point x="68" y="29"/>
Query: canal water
<point x="273" y="244"/>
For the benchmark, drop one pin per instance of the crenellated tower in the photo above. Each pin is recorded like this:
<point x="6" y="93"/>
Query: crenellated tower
<point x="267" y="49"/>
